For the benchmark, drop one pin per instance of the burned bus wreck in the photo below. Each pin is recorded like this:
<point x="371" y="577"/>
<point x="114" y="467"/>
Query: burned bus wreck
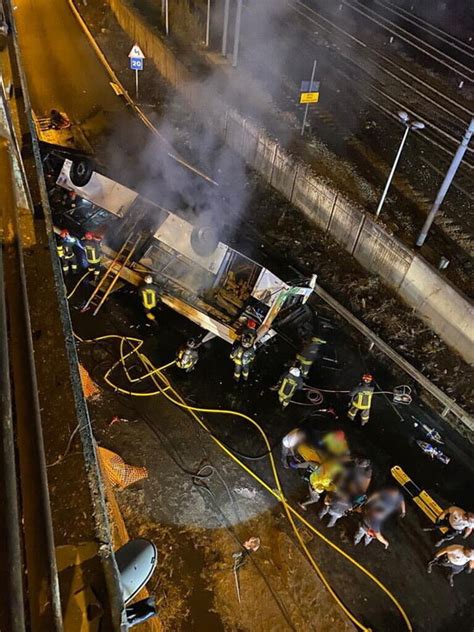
<point x="198" y="276"/>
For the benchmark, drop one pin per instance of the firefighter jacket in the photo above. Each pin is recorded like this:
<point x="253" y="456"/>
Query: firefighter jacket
<point x="362" y="396"/>
<point x="289" y="385"/>
<point x="149" y="295"/>
<point x="186" y="358"/>
<point x="242" y="355"/>
<point x="309" y="353"/>
<point x="92" y="248"/>
<point x="65" y="249"/>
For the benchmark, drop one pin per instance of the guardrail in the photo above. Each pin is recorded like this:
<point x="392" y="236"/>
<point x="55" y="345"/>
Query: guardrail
<point x="102" y="527"/>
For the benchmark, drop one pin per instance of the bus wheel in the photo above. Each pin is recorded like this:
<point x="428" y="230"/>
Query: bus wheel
<point x="81" y="172"/>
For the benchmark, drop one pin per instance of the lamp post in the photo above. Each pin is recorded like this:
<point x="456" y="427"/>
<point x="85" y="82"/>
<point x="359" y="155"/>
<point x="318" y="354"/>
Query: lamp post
<point x="409" y="124"/>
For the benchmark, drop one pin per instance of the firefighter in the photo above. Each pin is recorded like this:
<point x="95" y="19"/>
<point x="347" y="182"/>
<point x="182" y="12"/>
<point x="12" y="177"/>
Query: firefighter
<point x="361" y="399"/>
<point x="149" y="295"/>
<point x="92" y="248"/>
<point x="289" y="384"/>
<point x="65" y="250"/>
<point x="307" y="356"/>
<point x="188" y="355"/>
<point x="243" y="354"/>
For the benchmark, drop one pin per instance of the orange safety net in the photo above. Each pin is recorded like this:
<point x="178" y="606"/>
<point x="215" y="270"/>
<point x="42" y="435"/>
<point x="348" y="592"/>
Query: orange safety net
<point x="88" y="386"/>
<point x="119" y="473"/>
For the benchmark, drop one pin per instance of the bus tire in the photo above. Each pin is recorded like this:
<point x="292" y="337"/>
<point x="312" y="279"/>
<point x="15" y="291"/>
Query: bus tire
<point x="81" y="172"/>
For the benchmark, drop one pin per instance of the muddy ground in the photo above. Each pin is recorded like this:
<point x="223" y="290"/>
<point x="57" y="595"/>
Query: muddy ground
<point x="283" y="233"/>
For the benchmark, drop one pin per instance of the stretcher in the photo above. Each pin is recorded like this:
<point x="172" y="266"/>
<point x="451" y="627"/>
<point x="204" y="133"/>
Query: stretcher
<point x="420" y="497"/>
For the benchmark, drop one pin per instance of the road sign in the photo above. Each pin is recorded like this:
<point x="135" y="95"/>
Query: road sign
<point x="136" y="52"/>
<point x="136" y="63"/>
<point x="309" y="97"/>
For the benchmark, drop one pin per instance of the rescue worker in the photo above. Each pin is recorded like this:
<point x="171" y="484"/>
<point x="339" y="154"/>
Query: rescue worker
<point x="455" y="557"/>
<point x="65" y="250"/>
<point x="335" y="443"/>
<point x="361" y="399"/>
<point x="322" y="480"/>
<point x="336" y="504"/>
<point x="93" y="255"/>
<point x="307" y="356"/>
<point x="289" y="384"/>
<point x="188" y="355"/>
<point x="376" y="510"/>
<point x="243" y="355"/>
<point x="456" y="521"/>
<point x="355" y="479"/>
<point x="149" y="295"/>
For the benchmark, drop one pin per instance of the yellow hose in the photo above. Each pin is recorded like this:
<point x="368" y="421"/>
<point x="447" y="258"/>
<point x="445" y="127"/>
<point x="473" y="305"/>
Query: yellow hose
<point x="291" y="513"/>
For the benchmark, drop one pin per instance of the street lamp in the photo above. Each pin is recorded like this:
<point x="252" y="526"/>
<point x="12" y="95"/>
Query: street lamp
<point x="409" y="124"/>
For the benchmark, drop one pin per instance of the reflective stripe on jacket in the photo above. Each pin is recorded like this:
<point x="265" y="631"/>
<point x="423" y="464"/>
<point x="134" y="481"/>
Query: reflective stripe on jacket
<point x="60" y="250"/>
<point x="149" y="297"/>
<point x="92" y="252"/>
<point x="362" y="397"/>
<point x="242" y="356"/>
<point x="289" y="386"/>
<point x="186" y="358"/>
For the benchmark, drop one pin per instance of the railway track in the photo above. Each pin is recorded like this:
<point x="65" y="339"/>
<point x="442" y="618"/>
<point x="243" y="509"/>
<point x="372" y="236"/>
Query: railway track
<point x="393" y="85"/>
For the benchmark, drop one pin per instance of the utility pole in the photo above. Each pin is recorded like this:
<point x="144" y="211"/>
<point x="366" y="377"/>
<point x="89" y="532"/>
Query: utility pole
<point x="458" y="156"/>
<point x="226" y="27"/>
<point x="238" y="19"/>
<point x="167" y="18"/>
<point x="408" y="125"/>
<point x="313" y="72"/>
<point x="208" y="23"/>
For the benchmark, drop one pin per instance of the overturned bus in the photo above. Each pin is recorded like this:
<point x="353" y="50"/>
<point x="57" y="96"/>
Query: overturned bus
<point x="198" y="276"/>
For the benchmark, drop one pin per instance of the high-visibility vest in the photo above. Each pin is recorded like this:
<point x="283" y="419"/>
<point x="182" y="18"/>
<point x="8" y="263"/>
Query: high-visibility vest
<point x="92" y="252"/>
<point x="362" y="398"/>
<point x="322" y="479"/>
<point x="149" y="297"/>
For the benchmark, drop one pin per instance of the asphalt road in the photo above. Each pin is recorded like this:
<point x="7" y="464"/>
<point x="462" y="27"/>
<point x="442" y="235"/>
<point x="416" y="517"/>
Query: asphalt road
<point x="62" y="68"/>
<point x="386" y="441"/>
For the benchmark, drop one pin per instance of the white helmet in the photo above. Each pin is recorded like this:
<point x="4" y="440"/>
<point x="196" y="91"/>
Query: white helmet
<point x="148" y="279"/>
<point x="295" y="371"/>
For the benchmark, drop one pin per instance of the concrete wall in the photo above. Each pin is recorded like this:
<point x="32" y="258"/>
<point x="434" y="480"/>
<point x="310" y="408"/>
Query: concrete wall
<point x="447" y="311"/>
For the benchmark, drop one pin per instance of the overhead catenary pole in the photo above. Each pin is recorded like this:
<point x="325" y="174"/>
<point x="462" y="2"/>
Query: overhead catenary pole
<point x="238" y="19"/>
<point x="208" y="23"/>
<point x="225" y="29"/>
<point x="310" y="90"/>
<point x="458" y="156"/>
<point x="409" y="124"/>
<point x="392" y="171"/>
<point x="167" y="18"/>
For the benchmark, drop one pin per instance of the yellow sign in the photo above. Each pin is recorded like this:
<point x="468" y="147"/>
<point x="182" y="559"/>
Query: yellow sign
<point x="309" y="97"/>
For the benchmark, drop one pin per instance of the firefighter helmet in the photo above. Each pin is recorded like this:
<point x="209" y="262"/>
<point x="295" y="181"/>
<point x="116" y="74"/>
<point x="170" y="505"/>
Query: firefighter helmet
<point x="251" y="323"/>
<point x="89" y="236"/>
<point x="295" y="371"/>
<point x="367" y="377"/>
<point x="148" y="279"/>
<point x="64" y="233"/>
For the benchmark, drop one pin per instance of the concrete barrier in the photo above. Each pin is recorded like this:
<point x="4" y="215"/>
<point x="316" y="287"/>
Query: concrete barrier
<point x="435" y="300"/>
